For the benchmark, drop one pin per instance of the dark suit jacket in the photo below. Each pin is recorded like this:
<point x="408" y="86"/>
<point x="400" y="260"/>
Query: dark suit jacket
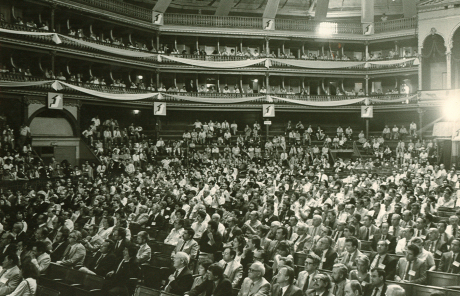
<point x="363" y="231"/>
<point x="292" y="290"/>
<point x="156" y="222"/>
<point x="224" y="288"/>
<point x="230" y="235"/>
<point x="58" y="251"/>
<point x="446" y="262"/>
<point x="389" y="237"/>
<point x="182" y="283"/>
<point x="439" y="248"/>
<point x="118" y="251"/>
<point x="191" y="88"/>
<point x="268" y="220"/>
<point x="390" y="265"/>
<point x="331" y="256"/>
<point x="106" y="264"/>
<point x="369" y="290"/>
<point x="122" y="275"/>
<point x="206" y="247"/>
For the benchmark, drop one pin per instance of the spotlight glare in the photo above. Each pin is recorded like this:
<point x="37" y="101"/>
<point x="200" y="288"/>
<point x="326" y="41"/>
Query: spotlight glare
<point x="450" y="109"/>
<point x="136" y="111"/>
<point x="327" y="29"/>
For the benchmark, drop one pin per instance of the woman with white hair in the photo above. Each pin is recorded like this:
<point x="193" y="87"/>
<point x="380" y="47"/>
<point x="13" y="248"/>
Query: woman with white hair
<point x="395" y="290"/>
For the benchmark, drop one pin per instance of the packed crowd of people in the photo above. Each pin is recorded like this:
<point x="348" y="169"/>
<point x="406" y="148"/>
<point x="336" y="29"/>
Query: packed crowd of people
<point x="242" y="213"/>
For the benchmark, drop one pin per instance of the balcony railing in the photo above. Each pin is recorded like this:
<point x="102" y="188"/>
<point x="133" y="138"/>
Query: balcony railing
<point x="312" y="26"/>
<point x="212" y="21"/>
<point x="395" y="25"/>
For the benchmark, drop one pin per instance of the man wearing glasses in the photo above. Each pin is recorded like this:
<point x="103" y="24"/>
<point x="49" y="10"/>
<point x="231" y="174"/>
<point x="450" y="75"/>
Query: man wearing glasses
<point x="259" y="256"/>
<point x="321" y="286"/>
<point x="255" y="284"/>
<point x="305" y="278"/>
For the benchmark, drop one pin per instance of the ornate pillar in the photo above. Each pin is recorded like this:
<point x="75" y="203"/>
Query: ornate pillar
<point x="157" y="72"/>
<point x="367" y="85"/>
<point x="420" y="112"/>
<point x="267" y="82"/>
<point x="420" y="67"/>
<point x="53" y="55"/>
<point x="158" y="40"/>
<point x="367" y="50"/>
<point x="53" y="8"/>
<point x="449" y="68"/>
<point x="267" y="44"/>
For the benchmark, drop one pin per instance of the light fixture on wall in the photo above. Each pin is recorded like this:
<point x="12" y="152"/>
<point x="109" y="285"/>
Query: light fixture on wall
<point x="136" y="112"/>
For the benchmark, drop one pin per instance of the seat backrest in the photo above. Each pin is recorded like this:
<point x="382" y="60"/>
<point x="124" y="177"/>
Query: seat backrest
<point x="145" y="291"/>
<point x="425" y="290"/>
<point x="45" y="291"/>
<point x="74" y="277"/>
<point x="56" y="271"/>
<point x="299" y="258"/>
<point x="92" y="282"/>
<point x="442" y="279"/>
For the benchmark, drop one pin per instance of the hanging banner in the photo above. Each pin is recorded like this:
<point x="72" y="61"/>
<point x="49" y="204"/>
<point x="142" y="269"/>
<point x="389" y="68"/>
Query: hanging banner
<point x="55" y="101"/>
<point x="159" y="108"/>
<point x="268" y="24"/>
<point x="157" y="18"/>
<point x="367" y="111"/>
<point x="268" y="110"/>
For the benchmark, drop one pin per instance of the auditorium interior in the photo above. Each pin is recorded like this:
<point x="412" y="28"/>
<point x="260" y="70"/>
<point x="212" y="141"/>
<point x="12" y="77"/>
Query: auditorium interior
<point x="95" y="89"/>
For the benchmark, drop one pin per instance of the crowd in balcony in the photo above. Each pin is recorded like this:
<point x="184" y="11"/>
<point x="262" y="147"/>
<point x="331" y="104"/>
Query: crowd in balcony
<point x="239" y="219"/>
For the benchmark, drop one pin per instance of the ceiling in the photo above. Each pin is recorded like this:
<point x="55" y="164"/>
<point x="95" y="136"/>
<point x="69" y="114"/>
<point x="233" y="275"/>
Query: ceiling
<point x="287" y="8"/>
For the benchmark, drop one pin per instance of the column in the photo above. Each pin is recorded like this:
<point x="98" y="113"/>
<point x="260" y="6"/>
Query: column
<point x="267" y="82"/>
<point x="197" y="45"/>
<point x="449" y="69"/>
<point x="218" y="45"/>
<point x="397" y="47"/>
<point x="218" y="77"/>
<point x="158" y="40"/>
<point x="420" y="68"/>
<point x="303" y="49"/>
<point x="420" y="121"/>
<point x="158" y="78"/>
<point x="175" y="80"/>
<point x="282" y="47"/>
<point x="241" y="45"/>
<point x="175" y="42"/>
<point x="53" y="55"/>
<point x="367" y="51"/>
<point x="53" y="9"/>
<point x="367" y="85"/>
<point x="241" y="84"/>
<point x="267" y="45"/>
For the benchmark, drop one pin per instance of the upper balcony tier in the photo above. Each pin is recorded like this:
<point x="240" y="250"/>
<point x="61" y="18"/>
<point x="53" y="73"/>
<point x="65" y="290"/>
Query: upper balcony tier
<point x="176" y="22"/>
<point x="15" y="34"/>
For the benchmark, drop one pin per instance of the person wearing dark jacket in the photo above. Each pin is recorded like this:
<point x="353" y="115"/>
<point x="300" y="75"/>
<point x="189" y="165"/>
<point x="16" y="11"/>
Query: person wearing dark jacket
<point x="60" y="245"/>
<point x="119" y="236"/>
<point x="216" y="285"/>
<point x="104" y="261"/>
<point x="181" y="280"/>
<point x="211" y="240"/>
<point x="117" y="283"/>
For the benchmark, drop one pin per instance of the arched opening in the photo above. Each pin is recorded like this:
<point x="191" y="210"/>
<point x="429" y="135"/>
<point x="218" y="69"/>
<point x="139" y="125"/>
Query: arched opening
<point x="456" y="59"/>
<point x="434" y="66"/>
<point x="52" y="123"/>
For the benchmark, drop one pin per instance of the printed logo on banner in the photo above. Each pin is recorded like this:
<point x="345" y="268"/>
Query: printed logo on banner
<point x="55" y="101"/>
<point x="268" y="24"/>
<point x="268" y="110"/>
<point x="368" y="29"/>
<point x="367" y="111"/>
<point x="159" y="108"/>
<point x="158" y="18"/>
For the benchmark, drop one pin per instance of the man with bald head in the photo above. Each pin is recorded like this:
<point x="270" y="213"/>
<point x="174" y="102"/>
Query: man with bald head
<point x="315" y="229"/>
<point x="434" y="244"/>
<point x="395" y="228"/>
<point x="255" y="284"/>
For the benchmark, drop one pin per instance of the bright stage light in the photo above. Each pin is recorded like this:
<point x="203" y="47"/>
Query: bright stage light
<point x="327" y="29"/>
<point x="136" y="111"/>
<point x="451" y="109"/>
<point x="256" y="80"/>
<point x="140" y="76"/>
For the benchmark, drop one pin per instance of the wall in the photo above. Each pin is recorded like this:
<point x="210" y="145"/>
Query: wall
<point x="53" y="127"/>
